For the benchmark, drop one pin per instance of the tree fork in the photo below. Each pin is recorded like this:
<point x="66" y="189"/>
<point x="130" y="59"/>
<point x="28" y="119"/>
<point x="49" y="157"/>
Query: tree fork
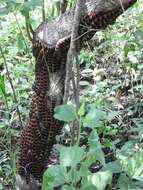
<point x="51" y="42"/>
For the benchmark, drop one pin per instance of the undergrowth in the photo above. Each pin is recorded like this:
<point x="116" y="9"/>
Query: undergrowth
<point x="108" y="153"/>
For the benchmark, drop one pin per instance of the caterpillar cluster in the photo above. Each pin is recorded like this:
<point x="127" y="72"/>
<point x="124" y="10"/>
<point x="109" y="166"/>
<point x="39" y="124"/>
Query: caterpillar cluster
<point x="38" y="137"/>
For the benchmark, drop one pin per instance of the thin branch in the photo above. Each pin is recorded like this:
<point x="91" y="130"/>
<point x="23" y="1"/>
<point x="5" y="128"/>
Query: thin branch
<point x="77" y="82"/>
<point x="58" y="7"/>
<point x="121" y="3"/>
<point x="12" y="87"/>
<point x="20" y="30"/>
<point x="43" y="11"/>
<point x="53" y="11"/>
<point x="22" y="35"/>
<point x="72" y="50"/>
<point x="28" y="30"/>
<point x="63" y="7"/>
<point x="28" y="26"/>
<point x="73" y="54"/>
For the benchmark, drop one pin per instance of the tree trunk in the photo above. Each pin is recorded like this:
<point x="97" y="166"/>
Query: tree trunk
<point x="50" y="46"/>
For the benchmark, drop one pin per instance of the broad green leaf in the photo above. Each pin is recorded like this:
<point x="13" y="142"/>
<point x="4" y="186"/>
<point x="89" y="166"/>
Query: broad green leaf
<point x="86" y="184"/>
<point x="94" y="118"/>
<point x="114" y="167"/>
<point x="67" y="187"/>
<point x="112" y="114"/>
<point x="132" y="162"/>
<point x="139" y="37"/>
<point x="46" y="180"/>
<point x="95" y="149"/>
<point x="73" y="176"/>
<point x="134" y="166"/>
<point x="33" y="3"/>
<point x="84" y="169"/>
<point x="124" y="183"/>
<point x="55" y="176"/>
<point x="71" y="156"/>
<point x="30" y="5"/>
<point x="2" y="125"/>
<point x="4" y="11"/>
<point x="13" y="5"/>
<point x="101" y="179"/>
<point x="20" y="42"/>
<point x="65" y="113"/>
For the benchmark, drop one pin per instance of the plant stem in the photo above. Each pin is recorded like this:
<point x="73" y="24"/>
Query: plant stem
<point x="43" y="11"/>
<point x="12" y="87"/>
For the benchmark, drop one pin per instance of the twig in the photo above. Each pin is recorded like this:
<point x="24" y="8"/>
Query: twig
<point x="121" y="3"/>
<point x="58" y="7"/>
<point x="43" y="11"/>
<point x="20" y="30"/>
<point x="63" y="7"/>
<point x="28" y="29"/>
<point x="12" y="87"/>
<point x="72" y="50"/>
<point x="28" y="26"/>
<point x="72" y="54"/>
<point x="19" y="27"/>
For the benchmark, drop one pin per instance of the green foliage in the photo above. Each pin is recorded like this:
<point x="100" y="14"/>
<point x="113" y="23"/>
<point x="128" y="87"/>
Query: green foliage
<point x="94" y="118"/>
<point x="65" y="113"/>
<point x="95" y="150"/>
<point x="110" y="152"/>
<point x="71" y="156"/>
<point x="101" y="179"/>
<point x="110" y="114"/>
<point x="3" y="92"/>
<point x="23" y="6"/>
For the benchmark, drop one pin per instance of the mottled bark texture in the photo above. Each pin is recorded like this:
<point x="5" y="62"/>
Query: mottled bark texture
<point x="50" y="46"/>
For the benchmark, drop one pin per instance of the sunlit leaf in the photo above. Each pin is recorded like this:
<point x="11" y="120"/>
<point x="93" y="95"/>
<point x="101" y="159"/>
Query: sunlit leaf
<point x="65" y="113"/>
<point x="101" y="179"/>
<point x="71" y="156"/>
<point x="95" y="149"/>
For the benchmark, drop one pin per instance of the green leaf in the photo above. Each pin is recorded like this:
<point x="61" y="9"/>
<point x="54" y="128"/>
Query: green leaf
<point x="135" y="166"/>
<point x="0" y="186"/>
<point x="84" y="169"/>
<point x="2" y="125"/>
<point x="132" y="162"/>
<point x="54" y="176"/>
<point x="81" y="111"/>
<point x="3" y="92"/>
<point x="65" y="113"/>
<point x="128" y="47"/>
<point x="71" y="156"/>
<point x="125" y="183"/>
<point x="107" y="143"/>
<point x="101" y="179"/>
<point x="94" y="118"/>
<point x="114" y="167"/>
<point x="3" y="11"/>
<point x="139" y="37"/>
<point x="95" y="149"/>
<point x="20" y="42"/>
<point x="30" y="5"/>
<point x="86" y="184"/>
<point x="112" y="114"/>
<point x="67" y="187"/>
<point x="73" y="176"/>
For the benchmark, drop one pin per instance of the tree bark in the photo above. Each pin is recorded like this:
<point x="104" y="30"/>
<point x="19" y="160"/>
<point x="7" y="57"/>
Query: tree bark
<point x="51" y="42"/>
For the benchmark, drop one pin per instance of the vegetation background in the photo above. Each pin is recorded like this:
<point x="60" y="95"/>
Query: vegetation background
<point x="109" y="152"/>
